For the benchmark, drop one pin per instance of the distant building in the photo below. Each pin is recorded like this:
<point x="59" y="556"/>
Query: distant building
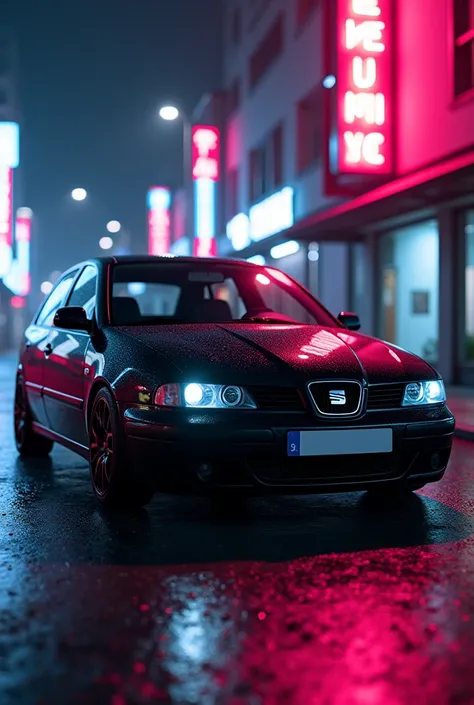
<point x="349" y="143"/>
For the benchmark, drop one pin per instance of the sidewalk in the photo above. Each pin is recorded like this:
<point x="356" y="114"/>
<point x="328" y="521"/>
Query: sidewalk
<point x="461" y="403"/>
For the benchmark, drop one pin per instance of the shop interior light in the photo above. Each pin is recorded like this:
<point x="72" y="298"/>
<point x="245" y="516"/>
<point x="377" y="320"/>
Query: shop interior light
<point x="285" y="249"/>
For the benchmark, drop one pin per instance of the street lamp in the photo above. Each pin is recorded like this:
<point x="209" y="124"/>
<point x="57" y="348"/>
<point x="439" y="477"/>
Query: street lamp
<point x="79" y="194"/>
<point x="171" y="113"/>
<point x="105" y="243"/>
<point x="113" y="226"/>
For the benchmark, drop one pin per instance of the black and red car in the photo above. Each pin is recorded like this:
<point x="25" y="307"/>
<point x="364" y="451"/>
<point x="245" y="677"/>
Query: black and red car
<point x="182" y="373"/>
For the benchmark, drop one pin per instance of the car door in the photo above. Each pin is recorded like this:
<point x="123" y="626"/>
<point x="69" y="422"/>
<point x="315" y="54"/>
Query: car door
<point x="34" y="356"/>
<point x="64" y="374"/>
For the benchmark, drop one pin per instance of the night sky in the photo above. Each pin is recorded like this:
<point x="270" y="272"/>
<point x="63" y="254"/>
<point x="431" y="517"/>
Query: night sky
<point x="93" y="74"/>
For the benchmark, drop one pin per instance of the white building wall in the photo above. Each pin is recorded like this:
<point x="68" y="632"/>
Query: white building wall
<point x="274" y="99"/>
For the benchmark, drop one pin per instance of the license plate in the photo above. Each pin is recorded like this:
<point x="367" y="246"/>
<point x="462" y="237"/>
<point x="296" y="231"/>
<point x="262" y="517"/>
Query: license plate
<point x="340" y="442"/>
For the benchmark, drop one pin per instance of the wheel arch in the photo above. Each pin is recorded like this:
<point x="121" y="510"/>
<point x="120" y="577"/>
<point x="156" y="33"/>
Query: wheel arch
<point x="97" y="385"/>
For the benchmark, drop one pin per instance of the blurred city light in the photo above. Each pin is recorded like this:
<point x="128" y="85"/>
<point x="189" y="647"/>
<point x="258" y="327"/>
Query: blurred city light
<point x="79" y="194"/>
<point x="285" y="249"/>
<point x="329" y="81"/>
<point x="169" y="112"/>
<point x="18" y="302"/>
<point x="113" y="226"/>
<point x="46" y="288"/>
<point x="105" y="243"/>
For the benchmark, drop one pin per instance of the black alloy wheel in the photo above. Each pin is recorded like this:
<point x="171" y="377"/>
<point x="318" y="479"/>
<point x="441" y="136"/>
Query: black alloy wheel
<point x="28" y="443"/>
<point x="113" y="481"/>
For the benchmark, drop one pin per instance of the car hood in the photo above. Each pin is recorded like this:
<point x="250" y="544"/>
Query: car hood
<point x="283" y="354"/>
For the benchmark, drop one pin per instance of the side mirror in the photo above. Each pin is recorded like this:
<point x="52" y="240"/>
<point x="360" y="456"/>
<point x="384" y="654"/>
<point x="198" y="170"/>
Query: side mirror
<point x="349" y="320"/>
<point x="73" y="318"/>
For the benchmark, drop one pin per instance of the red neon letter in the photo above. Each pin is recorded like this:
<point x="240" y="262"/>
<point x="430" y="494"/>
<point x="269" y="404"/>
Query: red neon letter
<point x="368" y="33"/>
<point x="365" y="148"/>
<point x="364" y="106"/>
<point x="366" y="8"/>
<point x="364" y="72"/>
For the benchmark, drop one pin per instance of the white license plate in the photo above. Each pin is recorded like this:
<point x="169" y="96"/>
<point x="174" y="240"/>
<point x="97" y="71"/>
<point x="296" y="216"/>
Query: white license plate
<point x="340" y="442"/>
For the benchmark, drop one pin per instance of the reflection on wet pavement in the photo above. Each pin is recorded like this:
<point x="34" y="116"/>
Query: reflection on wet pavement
<point x="279" y="601"/>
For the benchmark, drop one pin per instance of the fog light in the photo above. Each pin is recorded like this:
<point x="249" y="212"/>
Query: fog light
<point x="205" y="472"/>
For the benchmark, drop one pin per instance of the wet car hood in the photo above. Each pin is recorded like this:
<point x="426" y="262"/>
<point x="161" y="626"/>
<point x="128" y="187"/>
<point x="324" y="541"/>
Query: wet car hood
<point x="286" y="354"/>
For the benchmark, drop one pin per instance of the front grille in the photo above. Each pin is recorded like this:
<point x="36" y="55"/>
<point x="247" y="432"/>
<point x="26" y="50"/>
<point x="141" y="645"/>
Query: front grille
<point x="385" y="396"/>
<point x="330" y="470"/>
<point x="277" y="398"/>
<point x="336" y="398"/>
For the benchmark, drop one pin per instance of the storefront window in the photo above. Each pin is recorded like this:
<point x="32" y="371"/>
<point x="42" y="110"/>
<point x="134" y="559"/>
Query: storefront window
<point x="410" y="287"/>
<point x="469" y="288"/>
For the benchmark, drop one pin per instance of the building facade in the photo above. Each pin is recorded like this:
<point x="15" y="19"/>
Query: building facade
<point x="349" y="160"/>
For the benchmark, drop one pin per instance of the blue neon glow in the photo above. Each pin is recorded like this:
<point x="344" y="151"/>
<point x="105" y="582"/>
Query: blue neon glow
<point x="205" y="208"/>
<point x="10" y="144"/>
<point x="159" y="199"/>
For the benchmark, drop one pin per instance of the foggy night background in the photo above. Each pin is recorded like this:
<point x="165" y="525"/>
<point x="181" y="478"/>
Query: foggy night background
<point x="92" y="76"/>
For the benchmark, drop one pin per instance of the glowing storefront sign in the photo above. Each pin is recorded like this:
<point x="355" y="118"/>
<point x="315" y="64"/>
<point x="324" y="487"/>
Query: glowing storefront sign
<point x="238" y="231"/>
<point x="365" y="87"/>
<point x="22" y="243"/>
<point x="204" y="247"/>
<point x="159" y="220"/>
<point x="205" y="174"/>
<point x="272" y="215"/>
<point x="206" y="143"/>
<point x="10" y="144"/>
<point x="6" y="219"/>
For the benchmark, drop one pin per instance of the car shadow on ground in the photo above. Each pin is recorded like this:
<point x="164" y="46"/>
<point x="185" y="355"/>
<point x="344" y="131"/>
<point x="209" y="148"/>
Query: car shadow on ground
<point x="182" y="529"/>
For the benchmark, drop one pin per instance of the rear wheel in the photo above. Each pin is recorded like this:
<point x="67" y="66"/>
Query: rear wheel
<point x="28" y="442"/>
<point x="113" y="482"/>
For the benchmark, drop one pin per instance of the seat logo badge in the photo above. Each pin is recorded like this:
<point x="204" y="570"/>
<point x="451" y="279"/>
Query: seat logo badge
<point x="337" y="397"/>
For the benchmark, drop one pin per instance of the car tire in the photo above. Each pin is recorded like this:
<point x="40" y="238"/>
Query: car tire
<point x="29" y="444"/>
<point x="113" y="482"/>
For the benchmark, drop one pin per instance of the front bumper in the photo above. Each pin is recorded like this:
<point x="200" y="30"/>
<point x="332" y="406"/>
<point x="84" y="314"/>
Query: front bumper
<point x="248" y="450"/>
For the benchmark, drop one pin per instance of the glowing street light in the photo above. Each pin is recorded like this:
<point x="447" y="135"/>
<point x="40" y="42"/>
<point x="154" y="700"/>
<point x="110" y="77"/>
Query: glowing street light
<point x="105" y="243"/>
<point x="46" y="288"/>
<point x="113" y="226"/>
<point x="169" y="112"/>
<point x="79" y="194"/>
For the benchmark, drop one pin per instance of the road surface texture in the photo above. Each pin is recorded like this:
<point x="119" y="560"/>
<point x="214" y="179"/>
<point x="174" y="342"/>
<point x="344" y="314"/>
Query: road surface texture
<point x="325" y="600"/>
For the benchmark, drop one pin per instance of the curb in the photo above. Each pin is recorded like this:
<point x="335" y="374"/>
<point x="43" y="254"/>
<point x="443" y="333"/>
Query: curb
<point x="466" y="434"/>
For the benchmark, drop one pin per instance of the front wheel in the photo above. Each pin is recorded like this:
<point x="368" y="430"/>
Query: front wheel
<point x="113" y="482"/>
<point x="28" y="443"/>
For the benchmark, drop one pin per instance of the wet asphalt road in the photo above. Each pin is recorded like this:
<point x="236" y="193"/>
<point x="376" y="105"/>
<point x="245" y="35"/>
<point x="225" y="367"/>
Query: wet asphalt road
<point x="284" y="601"/>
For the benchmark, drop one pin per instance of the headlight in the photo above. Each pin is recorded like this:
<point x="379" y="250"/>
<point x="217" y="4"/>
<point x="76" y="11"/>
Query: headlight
<point x="204" y="396"/>
<point x="419" y="393"/>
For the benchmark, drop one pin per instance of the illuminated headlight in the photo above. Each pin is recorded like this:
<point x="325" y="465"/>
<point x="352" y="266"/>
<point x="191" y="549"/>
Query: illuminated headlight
<point x="204" y="396"/>
<point x="419" y="393"/>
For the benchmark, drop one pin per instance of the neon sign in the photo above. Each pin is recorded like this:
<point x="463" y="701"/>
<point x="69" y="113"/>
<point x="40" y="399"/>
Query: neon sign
<point x="159" y="220"/>
<point x="22" y="241"/>
<point x="206" y="142"/>
<point x="205" y="174"/>
<point x="365" y="87"/>
<point x="6" y="219"/>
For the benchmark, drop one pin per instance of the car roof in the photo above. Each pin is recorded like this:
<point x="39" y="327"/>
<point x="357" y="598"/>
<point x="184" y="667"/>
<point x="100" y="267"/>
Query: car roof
<point x="170" y="259"/>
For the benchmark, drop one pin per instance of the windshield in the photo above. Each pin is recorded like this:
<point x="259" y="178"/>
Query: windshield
<point x="195" y="292"/>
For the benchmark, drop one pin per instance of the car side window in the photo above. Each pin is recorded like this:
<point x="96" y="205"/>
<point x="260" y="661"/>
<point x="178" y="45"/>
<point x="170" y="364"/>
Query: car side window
<point x="84" y="291"/>
<point x="55" y="300"/>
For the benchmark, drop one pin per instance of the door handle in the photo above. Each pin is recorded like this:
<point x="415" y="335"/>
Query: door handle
<point x="27" y="345"/>
<point x="48" y="350"/>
